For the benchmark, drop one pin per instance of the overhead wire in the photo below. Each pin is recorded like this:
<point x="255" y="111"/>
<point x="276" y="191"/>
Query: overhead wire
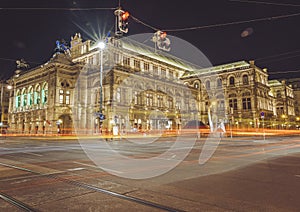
<point x="58" y="8"/>
<point x="277" y="55"/>
<point x="279" y="59"/>
<point x="267" y="3"/>
<point x="271" y="18"/>
<point x="143" y="23"/>
<point x="283" y="72"/>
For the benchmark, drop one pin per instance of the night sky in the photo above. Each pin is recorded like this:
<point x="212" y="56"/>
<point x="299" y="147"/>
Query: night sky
<point x="274" y="43"/>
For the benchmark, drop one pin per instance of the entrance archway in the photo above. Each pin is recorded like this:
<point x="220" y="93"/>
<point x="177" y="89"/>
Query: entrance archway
<point x="66" y="124"/>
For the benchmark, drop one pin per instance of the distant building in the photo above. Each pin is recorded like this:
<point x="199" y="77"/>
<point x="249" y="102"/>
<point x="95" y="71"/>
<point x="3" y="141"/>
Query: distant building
<point x="4" y="99"/>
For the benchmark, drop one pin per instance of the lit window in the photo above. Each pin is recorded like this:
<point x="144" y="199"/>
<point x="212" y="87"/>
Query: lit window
<point x="67" y="97"/>
<point x="61" y="96"/>
<point x="118" y="95"/>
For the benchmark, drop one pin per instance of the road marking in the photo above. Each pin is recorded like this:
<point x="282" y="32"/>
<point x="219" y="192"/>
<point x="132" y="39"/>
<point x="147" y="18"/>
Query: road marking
<point x="76" y="169"/>
<point x="105" y="169"/>
<point x="84" y="164"/>
<point x="111" y="170"/>
<point x="30" y="153"/>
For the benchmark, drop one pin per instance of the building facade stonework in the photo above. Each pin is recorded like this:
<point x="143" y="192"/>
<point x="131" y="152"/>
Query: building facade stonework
<point x="142" y="90"/>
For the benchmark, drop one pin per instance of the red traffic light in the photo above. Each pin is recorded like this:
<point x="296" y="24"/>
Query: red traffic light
<point x="125" y="15"/>
<point x="163" y="35"/>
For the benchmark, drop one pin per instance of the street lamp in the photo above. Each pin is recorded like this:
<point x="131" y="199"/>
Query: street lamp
<point x="101" y="46"/>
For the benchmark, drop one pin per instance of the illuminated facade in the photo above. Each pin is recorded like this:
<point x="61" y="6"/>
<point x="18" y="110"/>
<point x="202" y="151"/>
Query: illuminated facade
<point x="242" y="90"/>
<point x="143" y="90"/>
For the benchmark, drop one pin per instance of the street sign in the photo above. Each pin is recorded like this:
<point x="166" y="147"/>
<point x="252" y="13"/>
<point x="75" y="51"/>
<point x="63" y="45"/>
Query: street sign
<point x="101" y="116"/>
<point x="262" y="114"/>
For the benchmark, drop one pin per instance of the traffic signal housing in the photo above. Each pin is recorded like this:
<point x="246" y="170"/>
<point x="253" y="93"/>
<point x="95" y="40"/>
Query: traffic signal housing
<point x="123" y="21"/>
<point x="161" y="41"/>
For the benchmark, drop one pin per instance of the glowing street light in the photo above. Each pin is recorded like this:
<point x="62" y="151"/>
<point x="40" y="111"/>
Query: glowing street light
<point x="101" y="45"/>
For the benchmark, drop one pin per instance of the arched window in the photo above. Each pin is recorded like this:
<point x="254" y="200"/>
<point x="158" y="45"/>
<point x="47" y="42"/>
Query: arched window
<point x="207" y="84"/>
<point x="18" y="99"/>
<point x="219" y="83"/>
<point x="45" y="93"/>
<point x="196" y="85"/>
<point x="231" y="80"/>
<point x="30" y="96"/>
<point x="37" y="95"/>
<point x="245" y="79"/>
<point x="23" y="98"/>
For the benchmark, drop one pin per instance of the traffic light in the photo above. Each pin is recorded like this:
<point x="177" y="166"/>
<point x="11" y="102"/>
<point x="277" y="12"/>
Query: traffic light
<point x="161" y="41"/>
<point x="123" y="21"/>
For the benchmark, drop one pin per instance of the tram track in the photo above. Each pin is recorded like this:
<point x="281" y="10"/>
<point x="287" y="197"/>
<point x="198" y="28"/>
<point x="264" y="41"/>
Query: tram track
<point x="25" y="207"/>
<point x="16" y="203"/>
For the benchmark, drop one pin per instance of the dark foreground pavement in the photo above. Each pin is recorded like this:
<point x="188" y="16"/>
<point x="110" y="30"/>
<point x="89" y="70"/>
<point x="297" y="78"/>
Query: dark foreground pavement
<point x="56" y="175"/>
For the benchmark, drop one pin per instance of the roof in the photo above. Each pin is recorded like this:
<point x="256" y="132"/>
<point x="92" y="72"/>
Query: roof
<point x="274" y="83"/>
<point x="220" y="68"/>
<point x="142" y="49"/>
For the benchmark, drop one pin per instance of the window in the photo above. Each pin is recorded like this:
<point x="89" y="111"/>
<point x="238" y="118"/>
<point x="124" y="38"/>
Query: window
<point x="159" y="100"/>
<point x="155" y="70"/>
<point x="170" y="102"/>
<point x="116" y="58"/>
<point x="171" y="74"/>
<point x="126" y="61"/>
<point x="221" y="105"/>
<point x="45" y="93"/>
<point x="118" y="95"/>
<point x="231" y="81"/>
<point x="245" y="80"/>
<point x="163" y="72"/>
<point x="61" y="96"/>
<point x="207" y="84"/>
<point x="278" y="94"/>
<point x="219" y="83"/>
<point x="146" y="67"/>
<point x="67" y="97"/>
<point x="137" y="64"/>
<point x="233" y="101"/>
<point x="37" y="95"/>
<point x="135" y="97"/>
<point x="196" y="85"/>
<point x="149" y="99"/>
<point x="246" y="103"/>
<point x="23" y="98"/>
<point x="30" y="96"/>
<point x="18" y="99"/>
<point x="279" y="110"/>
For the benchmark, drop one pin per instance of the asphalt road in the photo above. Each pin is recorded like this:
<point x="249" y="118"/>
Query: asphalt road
<point x="58" y="174"/>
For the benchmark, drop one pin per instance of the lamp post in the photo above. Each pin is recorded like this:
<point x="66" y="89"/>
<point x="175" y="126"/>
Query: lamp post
<point x="101" y="46"/>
